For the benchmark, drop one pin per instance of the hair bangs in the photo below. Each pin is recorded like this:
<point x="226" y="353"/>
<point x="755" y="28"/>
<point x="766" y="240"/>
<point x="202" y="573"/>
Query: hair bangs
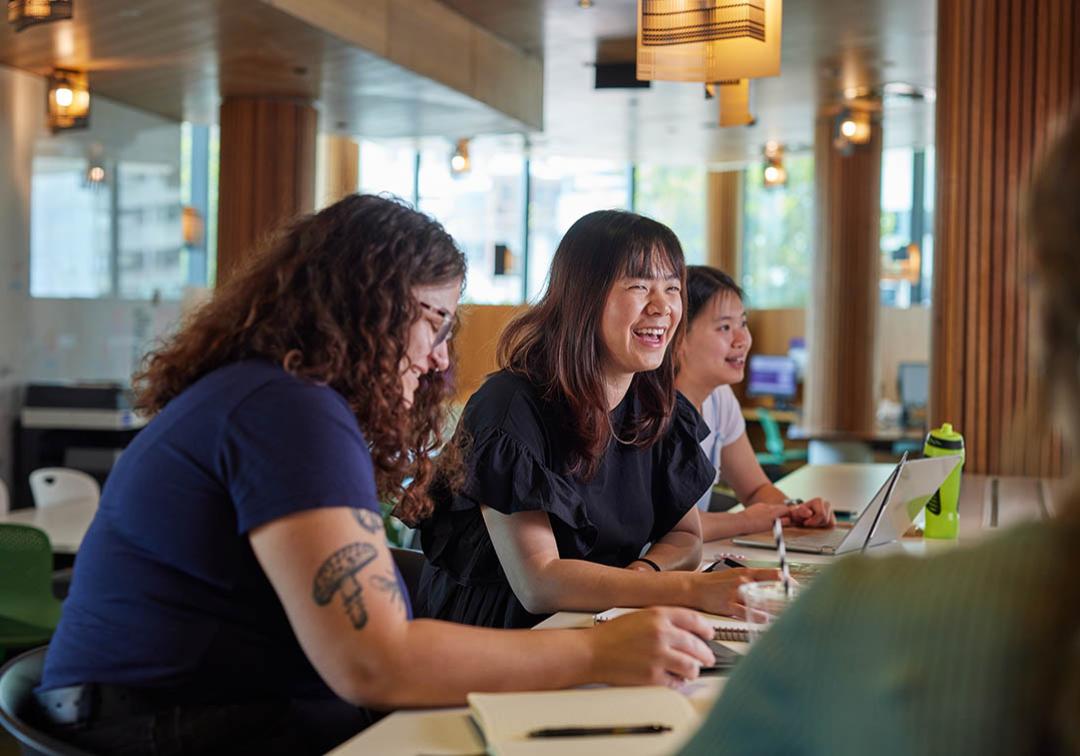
<point x="654" y="259"/>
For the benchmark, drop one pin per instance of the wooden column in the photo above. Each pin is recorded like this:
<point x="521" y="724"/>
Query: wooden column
<point x="1006" y="70"/>
<point x="339" y="161"/>
<point x="267" y="172"/>
<point x="724" y="222"/>
<point x="842" y="317"/>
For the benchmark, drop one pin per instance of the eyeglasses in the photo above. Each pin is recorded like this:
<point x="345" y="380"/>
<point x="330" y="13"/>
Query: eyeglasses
<point x="443" y="332"/>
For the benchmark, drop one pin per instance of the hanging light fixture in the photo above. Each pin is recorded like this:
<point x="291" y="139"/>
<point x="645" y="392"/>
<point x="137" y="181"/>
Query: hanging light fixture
<point x="69" y="100"/>
<point x="734" y="101"/>
<point x="702" y="40"/>
<point x="459" y="159"/>
<point x="774" y="173"/>
<point x="24" y="13"/>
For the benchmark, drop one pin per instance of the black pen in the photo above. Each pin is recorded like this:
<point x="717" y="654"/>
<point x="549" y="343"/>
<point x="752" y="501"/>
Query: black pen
<point x="579" y="732"/>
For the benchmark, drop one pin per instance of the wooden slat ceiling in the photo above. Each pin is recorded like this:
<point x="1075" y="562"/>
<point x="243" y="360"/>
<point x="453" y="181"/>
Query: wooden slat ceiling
<point x="177" y="58"/>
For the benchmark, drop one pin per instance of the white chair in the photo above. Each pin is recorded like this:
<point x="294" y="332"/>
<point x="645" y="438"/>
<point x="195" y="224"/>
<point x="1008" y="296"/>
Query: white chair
<point x="58" y="485"/>
<point x="5" y="502"/>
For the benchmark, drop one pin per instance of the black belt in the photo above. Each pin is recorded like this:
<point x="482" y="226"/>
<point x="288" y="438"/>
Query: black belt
<point x="79" y="704"/>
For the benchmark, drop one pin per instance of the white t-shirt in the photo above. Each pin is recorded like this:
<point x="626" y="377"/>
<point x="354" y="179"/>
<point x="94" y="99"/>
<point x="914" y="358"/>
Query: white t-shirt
<point x="723" y="415"/>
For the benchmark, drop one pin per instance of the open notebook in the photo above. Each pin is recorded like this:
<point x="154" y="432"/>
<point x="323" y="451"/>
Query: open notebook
<point x="507" y="719"/>
<point x="727" y="628"/>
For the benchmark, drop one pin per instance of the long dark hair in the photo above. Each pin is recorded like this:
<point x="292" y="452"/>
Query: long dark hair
<point x="557" y="345"/>
<point x="702" y="284"/>
<point x="329" y="299"/>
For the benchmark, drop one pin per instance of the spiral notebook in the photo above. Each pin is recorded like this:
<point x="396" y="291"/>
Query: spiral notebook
<point x="726" y="628"/>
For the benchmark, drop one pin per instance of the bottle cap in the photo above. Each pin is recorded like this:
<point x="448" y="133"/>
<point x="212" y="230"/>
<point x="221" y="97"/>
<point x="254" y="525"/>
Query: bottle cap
<point x="945" y="438"/>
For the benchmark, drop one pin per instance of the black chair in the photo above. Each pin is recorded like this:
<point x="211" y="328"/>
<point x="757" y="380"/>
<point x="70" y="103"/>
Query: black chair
<point x="61" y="583"/>
<point x="18" y="710"/>
<point x="409" y="563"/>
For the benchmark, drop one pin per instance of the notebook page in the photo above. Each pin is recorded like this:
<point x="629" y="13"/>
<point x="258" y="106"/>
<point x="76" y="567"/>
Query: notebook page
<point x="507" y="718"/>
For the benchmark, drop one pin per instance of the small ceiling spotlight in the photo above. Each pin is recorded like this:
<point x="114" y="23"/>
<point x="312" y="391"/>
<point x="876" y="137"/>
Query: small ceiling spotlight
<point x="774" y="173"/>
<point x="853" y="127"/>
<point x="459" y="160"/>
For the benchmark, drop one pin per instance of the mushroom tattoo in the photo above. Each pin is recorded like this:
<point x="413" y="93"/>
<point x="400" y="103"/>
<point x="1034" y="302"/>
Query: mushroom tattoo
<point x="339" y="573"/>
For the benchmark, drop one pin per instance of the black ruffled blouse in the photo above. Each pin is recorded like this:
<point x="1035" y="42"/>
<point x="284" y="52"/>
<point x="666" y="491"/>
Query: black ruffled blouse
<point x="517" y="463"/>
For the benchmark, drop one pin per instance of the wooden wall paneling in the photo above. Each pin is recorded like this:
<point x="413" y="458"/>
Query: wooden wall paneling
<point x="475" y="344"/>
<point x="1006" y="73"/>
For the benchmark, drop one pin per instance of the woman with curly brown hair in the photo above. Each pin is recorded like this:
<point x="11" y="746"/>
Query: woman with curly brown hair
<point x="235" y="590"/>
<point x="582" y="461"/>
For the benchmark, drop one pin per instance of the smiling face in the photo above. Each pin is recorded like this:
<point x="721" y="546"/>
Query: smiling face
<point x="426" y="352"/>
<point x="637" y="324"/>
<point x="717" y="343"/>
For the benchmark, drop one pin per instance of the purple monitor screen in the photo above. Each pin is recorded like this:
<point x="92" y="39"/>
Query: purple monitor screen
<point x="771" y="375"/>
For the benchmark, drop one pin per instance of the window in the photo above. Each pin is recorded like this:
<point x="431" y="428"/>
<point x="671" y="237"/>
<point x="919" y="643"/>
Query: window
<point x="121" y="235"/>
<point x="483" y="209"/>
<point x="151" y="259"/>
<point x="675" y="196"/>
<point x="70" y="230"/>
<point x="562" y="190"/>
<point x="906" y="227"/>
<point x="388" y="167"/>
<point x="778" y="235"/>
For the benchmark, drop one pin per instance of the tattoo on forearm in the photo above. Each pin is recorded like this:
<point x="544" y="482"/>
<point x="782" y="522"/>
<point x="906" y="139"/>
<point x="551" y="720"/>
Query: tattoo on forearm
<point x="338" y="573"/>
<point x="369" y="521"/>
<point x="389" y="584"/>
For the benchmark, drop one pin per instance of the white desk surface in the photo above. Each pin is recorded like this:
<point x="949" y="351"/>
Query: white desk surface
<point x="450" y="732"/>
<point x="65" y="523"/>
<point x="986" y="504"/>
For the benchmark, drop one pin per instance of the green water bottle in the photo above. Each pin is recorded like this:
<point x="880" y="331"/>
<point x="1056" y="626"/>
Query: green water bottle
<point x="942" y="511"/>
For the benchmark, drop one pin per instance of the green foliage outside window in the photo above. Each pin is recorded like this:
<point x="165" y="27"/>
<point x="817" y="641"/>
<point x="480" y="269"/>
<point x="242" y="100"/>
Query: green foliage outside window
<point x="778" y="236"/>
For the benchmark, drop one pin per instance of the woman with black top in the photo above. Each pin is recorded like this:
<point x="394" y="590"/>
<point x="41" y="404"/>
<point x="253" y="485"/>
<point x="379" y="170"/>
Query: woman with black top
<point x="582" y="463"/>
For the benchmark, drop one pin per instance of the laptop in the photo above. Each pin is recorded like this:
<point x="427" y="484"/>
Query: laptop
<point x="887" y="517"/>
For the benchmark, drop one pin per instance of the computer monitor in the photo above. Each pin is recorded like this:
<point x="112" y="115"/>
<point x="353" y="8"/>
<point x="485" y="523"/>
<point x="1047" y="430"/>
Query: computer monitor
<point x="772" y="375"/>
<point x="913" y="385"/>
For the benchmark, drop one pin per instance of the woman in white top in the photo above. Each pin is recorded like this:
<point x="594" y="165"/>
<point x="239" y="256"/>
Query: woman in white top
<point x="713" y="357"/>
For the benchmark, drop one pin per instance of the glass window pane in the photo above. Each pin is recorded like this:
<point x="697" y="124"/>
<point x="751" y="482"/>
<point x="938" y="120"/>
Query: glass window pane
<point x="70" y="230"/>
<point x="778" y="235"/>
<point x="897" y="261"/>
<point x="675" y="196"/>
<point x="563" y="190"/>
<point x="387" y="167"/>
<point x="483" y="209"/>
<point x="151" y="258"/>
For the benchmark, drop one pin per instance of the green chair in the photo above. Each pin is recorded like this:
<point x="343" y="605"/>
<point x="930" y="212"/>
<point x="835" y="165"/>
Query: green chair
<point x="28" y="610"/>
<point x="775" y="453"/>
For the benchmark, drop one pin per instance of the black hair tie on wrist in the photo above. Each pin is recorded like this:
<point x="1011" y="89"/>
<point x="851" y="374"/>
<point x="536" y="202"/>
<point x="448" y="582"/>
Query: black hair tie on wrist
<point x="649" y="562"/>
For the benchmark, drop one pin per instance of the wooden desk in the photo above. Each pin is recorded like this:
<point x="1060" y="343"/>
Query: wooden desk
<point x="876" y="436"/>
<point x="784" y="417"/>
<point x="65" y="523"/>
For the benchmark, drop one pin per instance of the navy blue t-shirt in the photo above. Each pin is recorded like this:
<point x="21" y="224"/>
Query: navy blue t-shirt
<point x="167" y="591"/>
